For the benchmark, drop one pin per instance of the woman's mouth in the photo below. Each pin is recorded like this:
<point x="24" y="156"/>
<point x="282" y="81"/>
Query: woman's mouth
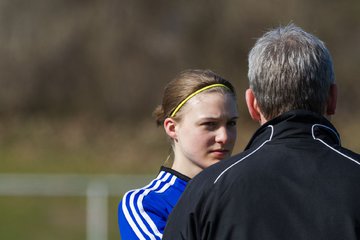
<point x="220" y="153"/>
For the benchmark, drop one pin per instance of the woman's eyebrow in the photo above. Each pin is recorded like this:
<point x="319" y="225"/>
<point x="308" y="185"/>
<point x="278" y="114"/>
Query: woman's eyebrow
<point x="216" y="118"/>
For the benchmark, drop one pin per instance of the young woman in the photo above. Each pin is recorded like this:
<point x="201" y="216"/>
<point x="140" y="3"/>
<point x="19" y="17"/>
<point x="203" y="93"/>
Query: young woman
<point x="199" y="114"/>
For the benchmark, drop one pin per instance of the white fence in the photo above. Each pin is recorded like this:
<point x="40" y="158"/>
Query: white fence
<point x="96" y="189"/>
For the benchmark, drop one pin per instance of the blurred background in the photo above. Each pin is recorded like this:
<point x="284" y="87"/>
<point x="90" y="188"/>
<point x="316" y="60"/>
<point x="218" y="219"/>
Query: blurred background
<point x="79" y="80"/>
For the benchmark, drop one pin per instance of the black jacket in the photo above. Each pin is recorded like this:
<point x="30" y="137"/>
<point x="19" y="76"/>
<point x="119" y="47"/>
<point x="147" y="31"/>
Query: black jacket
<point x="293" y="181"/>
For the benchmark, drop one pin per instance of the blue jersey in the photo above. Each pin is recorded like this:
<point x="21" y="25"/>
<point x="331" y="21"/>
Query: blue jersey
<point x="142" y="213"/>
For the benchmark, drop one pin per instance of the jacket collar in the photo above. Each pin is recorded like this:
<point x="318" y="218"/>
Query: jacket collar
<point x="296" y="124"/>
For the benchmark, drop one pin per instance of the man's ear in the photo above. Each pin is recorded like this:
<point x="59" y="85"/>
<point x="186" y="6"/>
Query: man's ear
<point x="252" y="105"/>
<point x="332" y="99"/>
<point x="169" y="126"/>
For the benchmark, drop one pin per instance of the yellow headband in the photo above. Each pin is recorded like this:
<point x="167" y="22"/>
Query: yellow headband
<point x="194" y="93"/>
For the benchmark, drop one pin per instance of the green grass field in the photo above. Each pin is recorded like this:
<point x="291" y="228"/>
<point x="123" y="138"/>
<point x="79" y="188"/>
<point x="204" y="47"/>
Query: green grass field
<point x="45" y="218"/>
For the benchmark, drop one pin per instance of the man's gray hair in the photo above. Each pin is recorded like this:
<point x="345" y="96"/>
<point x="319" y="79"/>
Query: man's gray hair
<point x="290" y="69"/>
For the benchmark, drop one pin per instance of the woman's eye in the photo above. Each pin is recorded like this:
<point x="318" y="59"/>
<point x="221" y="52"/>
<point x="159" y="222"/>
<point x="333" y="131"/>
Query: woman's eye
<point x="210" y="125"/>
<point x="232" y="123"/>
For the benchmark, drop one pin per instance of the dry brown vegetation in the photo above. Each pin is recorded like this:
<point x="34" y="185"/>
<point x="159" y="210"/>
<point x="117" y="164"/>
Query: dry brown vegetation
<point x="79" y="79"/>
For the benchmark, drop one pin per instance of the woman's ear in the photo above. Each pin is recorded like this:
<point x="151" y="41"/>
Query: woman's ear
<point x="332" y="99"/>
<point x="252" y="105"/>
<point x="169" y="126"/>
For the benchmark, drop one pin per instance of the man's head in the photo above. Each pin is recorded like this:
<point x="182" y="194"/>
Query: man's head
<point x="290" y="69"/>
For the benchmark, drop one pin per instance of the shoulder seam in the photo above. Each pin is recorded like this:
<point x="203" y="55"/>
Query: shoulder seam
<point x="327" y="145"/>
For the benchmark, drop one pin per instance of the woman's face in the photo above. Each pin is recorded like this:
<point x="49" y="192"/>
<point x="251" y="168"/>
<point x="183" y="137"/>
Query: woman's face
<point x="206" y="132"/>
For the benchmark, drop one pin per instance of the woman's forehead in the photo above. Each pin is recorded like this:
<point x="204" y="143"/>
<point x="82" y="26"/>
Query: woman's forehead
<point x="211" y="104"/>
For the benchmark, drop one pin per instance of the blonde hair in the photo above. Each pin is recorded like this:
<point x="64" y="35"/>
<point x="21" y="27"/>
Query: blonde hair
<point x="185" y="84"/>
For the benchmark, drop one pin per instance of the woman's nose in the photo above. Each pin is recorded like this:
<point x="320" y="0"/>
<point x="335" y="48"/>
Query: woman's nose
<point x="221" y="135"/>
